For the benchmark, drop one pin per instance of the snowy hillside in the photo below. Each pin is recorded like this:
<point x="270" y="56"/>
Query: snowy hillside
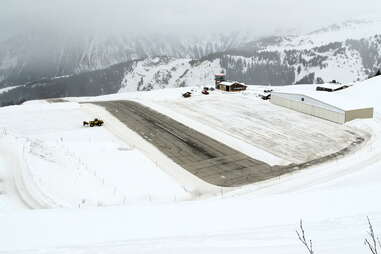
<point x="352" y="29"/>
<point x="55" y="163"/>
<point x="164" y="72"/>
<point x="132" y="202"/>
<point x="34" y="56"/>
<point x="112" y="194"/>
<point x="347" y="52"/>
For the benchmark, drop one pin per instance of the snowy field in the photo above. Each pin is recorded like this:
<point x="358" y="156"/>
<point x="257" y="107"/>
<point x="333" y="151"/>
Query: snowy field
<point x="130" y="205"/>
<point x="80" y="166"/>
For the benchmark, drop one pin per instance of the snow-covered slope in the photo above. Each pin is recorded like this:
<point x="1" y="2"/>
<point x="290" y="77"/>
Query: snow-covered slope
<point x="66" y="165"/>
<point x="60" y="160"/>
<point x="164" y="72"/>
<point x="34" y="56"/>
<point x="352" y="29"/>
<point x="342" y="59"/>
<point x="346" y="52"/>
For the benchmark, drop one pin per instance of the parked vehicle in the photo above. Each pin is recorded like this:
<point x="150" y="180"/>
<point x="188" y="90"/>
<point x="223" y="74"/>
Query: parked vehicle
<point x="205" y="92"/>
<point x="187" y="94"/>
<point x="96" y="122"/>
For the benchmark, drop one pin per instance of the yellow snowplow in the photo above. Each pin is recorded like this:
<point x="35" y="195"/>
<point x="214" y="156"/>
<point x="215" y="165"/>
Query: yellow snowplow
<point x="96" y="122"/>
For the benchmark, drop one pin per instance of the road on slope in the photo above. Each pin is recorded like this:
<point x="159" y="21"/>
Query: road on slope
<point x="204" y="157"/>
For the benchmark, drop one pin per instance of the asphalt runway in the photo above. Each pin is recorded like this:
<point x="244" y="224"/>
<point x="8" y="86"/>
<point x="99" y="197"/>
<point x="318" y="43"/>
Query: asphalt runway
<point x="204" y="157"/>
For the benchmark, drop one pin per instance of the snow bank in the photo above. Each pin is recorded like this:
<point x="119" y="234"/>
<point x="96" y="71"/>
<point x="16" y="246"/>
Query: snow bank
<point x="367" y="91"/>
<point x="264" y="225"/>
<point x="14" y="149"/>
<point x="73" y="166"/>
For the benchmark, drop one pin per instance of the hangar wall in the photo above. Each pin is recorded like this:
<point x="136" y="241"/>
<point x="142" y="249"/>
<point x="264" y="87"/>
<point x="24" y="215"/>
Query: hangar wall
<point x="358" y="114"/>
<point x="310" y="106"/>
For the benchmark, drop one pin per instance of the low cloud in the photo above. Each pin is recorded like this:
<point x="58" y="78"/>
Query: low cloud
<point x="176" y="17"/>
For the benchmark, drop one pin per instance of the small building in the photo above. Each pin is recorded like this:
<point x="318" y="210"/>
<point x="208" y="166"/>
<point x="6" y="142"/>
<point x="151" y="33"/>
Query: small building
<point x="333" y="107"/>
<point x="331" y="87"/>
<point x="218" y="78"/>
<point x="231" y="86"/>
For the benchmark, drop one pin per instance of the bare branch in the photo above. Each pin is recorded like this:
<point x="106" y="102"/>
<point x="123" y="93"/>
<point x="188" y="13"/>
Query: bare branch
<point x="371" y="243"/>
<point x="302" y="238"/>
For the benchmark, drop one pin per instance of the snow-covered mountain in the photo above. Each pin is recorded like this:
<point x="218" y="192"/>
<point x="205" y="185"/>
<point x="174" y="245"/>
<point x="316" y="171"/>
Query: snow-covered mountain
<point x="348" y="52"/>
<point x="35" y="56"/>
<point x="165" y="72"/>
<point x="355" y="29"/>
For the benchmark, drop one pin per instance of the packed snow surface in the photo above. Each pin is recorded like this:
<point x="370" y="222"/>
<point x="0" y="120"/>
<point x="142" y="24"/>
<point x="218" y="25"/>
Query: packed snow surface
<point x="296" y="139"/>
<point x="50" y="157"/>
<point x="81" y="166"/>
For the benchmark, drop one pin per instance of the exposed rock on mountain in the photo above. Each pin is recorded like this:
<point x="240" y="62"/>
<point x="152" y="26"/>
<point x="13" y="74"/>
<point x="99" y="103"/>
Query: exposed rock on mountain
<point x="347" y="53"/>
<point x="35" y="56"/>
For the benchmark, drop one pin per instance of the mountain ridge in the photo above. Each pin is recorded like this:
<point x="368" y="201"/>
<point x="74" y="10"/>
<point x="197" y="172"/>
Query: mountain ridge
<point x="275" y="60"/>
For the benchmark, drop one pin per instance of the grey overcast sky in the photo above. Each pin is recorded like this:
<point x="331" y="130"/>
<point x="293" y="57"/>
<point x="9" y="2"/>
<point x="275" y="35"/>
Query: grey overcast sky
<point x="262" y="17"/>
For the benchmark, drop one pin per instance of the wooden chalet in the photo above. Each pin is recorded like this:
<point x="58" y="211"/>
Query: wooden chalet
<point x="232" y="86"/>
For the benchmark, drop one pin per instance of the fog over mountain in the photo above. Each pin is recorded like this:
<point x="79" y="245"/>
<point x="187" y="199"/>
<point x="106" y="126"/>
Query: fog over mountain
<point x="51" y="48"/>
<point x="176" y="16"/>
